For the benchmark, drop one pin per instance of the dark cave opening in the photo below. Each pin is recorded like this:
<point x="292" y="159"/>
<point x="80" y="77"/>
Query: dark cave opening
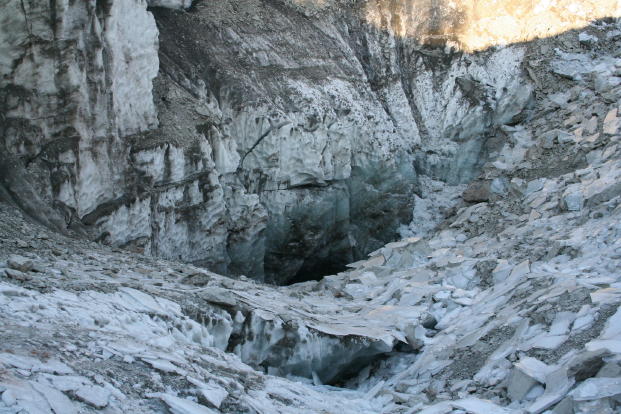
<point x="317" y="269"/>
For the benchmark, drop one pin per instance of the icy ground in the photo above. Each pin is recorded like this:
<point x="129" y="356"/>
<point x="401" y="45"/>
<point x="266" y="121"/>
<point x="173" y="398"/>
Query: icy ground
<point x="510" y="306"/>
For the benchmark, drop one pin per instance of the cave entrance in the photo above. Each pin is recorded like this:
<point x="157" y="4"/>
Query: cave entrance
<point x="318" y="268"/>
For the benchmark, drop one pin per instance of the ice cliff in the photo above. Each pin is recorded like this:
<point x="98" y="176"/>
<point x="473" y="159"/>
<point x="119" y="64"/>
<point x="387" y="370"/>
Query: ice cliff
<point x="149" y="146"/>
<point x="266" y="138"/>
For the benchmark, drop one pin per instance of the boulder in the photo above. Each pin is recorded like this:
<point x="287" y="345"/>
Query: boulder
<point x="477" y="191"/>
<point x="20" y="263"/>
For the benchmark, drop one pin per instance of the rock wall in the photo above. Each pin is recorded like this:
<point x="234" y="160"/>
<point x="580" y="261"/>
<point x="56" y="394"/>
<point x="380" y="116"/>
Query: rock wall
<point x="279" y="139"/>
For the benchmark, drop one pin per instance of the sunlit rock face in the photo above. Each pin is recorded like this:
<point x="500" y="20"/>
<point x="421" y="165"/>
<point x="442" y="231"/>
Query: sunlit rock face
<point x="472" y="25"/>
<point x="278" y="140"/>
